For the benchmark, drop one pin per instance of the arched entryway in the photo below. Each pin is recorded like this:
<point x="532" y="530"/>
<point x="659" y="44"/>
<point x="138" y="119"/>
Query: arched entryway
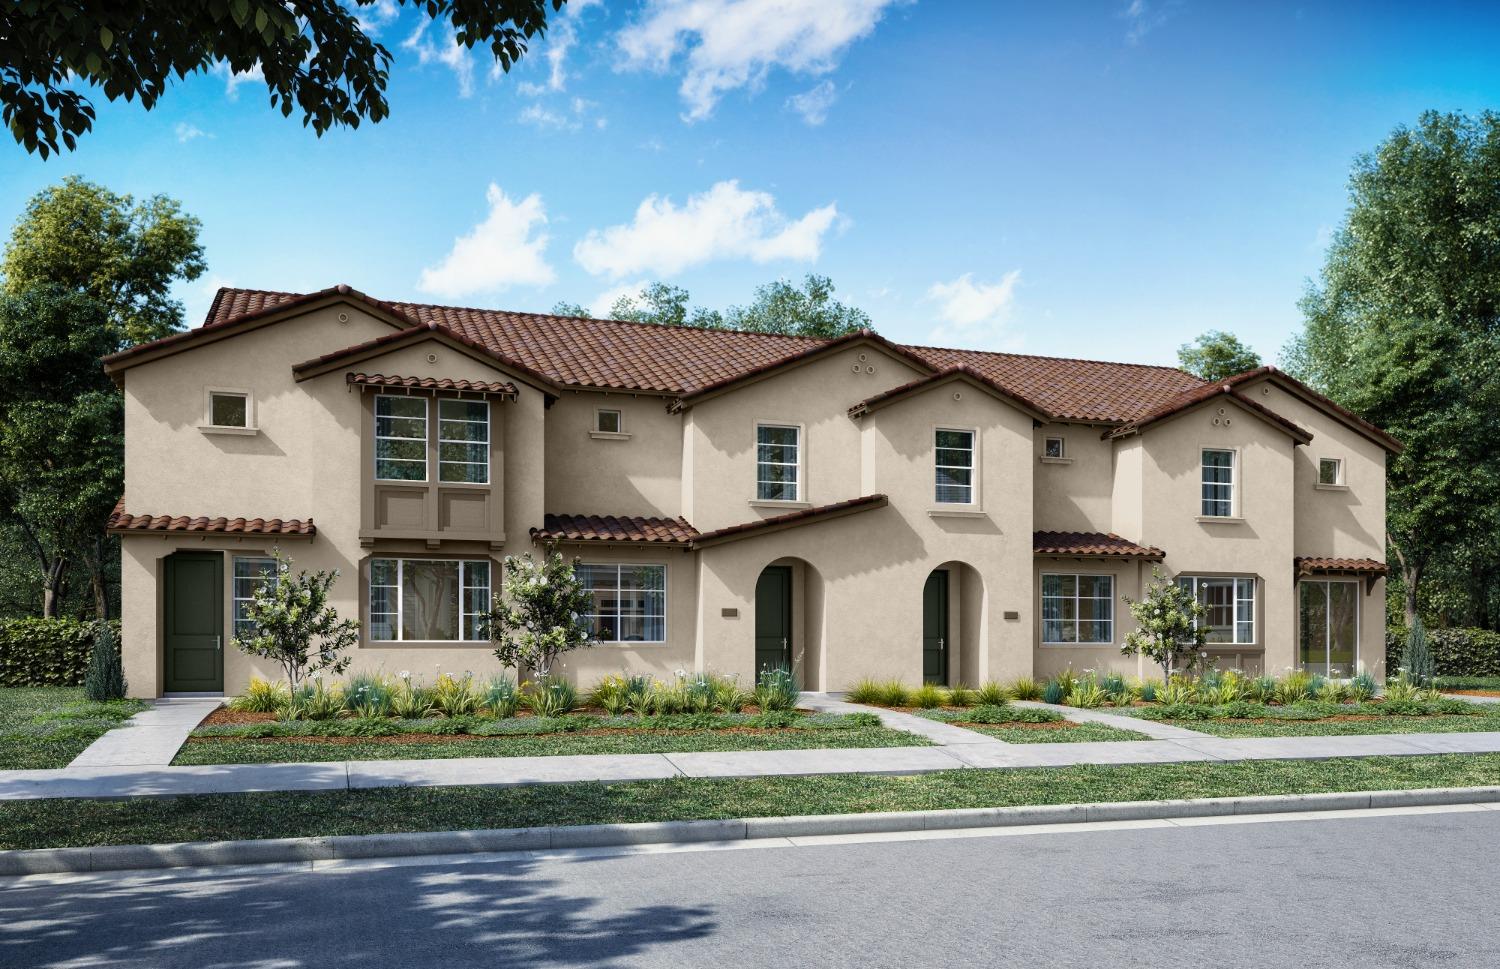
<point x="953" y="625"/>
<point x="789" y="620"/>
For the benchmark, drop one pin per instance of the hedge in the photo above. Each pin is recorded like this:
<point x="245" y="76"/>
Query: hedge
<point x="1456" y="651"/>
<point x="46" y="652"/>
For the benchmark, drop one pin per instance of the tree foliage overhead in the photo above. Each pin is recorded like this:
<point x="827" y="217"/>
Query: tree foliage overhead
<point x="317" y="56"/>
<point x="1403" y="327"/>
<point x="1216" y="355"/>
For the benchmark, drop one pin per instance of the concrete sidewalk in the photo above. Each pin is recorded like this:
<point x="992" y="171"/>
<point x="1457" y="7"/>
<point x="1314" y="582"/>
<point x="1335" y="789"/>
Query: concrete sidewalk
<point x="151" y="738"/>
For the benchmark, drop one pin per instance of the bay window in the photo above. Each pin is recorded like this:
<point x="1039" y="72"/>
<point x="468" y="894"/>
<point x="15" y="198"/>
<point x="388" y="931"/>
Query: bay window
<point x="464" y="441"/>
<point x="400" y="438"/>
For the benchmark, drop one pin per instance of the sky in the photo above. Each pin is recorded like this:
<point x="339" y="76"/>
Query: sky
<point x="1090" y="179"/>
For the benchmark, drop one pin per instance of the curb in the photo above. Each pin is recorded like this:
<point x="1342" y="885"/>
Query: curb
<point x="349" y="847"/>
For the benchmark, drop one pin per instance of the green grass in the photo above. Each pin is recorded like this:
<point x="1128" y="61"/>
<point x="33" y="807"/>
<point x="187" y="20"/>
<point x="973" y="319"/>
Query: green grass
<point x="1468" y="682"/>
<point x="1072" y="733"/>
<point x="57" y="823"/>
<point x="47" y="726"/>
<point x="1339" y="728"/>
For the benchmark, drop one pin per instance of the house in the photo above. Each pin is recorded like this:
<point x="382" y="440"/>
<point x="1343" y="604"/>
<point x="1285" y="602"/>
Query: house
<point x="848" y="507"/>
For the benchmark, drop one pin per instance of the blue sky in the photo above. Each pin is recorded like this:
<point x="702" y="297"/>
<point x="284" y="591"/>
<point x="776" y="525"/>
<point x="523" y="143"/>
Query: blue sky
<point x="1085" y="179"/>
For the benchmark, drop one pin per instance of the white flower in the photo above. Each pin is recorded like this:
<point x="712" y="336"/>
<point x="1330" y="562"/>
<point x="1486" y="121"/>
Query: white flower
<point x="405" y="674"/>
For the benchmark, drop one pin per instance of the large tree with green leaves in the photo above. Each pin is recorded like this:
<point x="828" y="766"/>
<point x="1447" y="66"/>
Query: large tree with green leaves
<point x="317" y="57"/>
<point x="1216" y="355"/>
<point x="779" y="307"/>
<point x="1403" y="327"/>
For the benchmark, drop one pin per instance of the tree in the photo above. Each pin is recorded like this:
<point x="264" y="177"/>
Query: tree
<point x="295" y="626"/>
<point x="1403" y="328"/>
<point x="315" y="56"/>
<point x="1168" y="624"/>
<point x="105" y="679"/>
<point x="541" y="613"/>
<point x="810" y="310"/>
<point x="1216" y="355"/>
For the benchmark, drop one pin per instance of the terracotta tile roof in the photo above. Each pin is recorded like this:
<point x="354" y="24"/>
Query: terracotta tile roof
<point x="1202" y="394"/>
<point x="500" y="388"/>
<point x="922" y="383"/>
<point x="1335" y="566"/>
<point x="1092" y="545"/>
<point x="121" y="521"/>
<point x="1299" y="389"/>
<point x="414" y="334"/>
<point x="790" y="519"/>
<point x="615" y="528"/>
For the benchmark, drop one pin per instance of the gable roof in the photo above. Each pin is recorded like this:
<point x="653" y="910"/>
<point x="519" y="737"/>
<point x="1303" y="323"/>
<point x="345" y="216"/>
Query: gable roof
<point x="1205" y="394"/>
<point x="958" y="373"/>
<point x="1316" y="400"/>
<point x="414" y="334"/>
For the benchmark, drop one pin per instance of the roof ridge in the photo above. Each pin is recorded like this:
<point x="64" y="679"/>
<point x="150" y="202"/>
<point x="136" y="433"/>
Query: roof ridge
<point x="1048" y="356"/>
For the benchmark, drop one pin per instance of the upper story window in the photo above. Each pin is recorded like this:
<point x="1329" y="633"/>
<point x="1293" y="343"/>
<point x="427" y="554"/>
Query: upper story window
<point x="228" y="409"/>
<point x="1078" y="609"/>
<point x="428" y="600"/>
<point x="1231" y="607"/>
<point x="1330" y="471"/>
<point x="608" y="421"/>
<point x="400" y="438"/>
<point x="629" y="602"/>
<point x="464" y="441"/>
<point x="777" y="462"/>
<point x="1218" y="483"/>
<point x="250" y="574"/>
<point x="954" y="459"/>
<point x="1054" y="447"/>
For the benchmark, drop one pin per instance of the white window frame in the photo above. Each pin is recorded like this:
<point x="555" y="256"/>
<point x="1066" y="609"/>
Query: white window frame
<point x="1062" y="447"/>
<point x="973" y="468"/>
<point x="234" y="586"/>
<point x="1328" y="621"/>
<point x="400" y="598"/>
<point x="800" y="464"/>
<point x="1338" y="477"/>
<point x="665" y="581"/>
<point x="426" y="439"/>
<point x="442" y="440"/>
<point x="1254" y="601"/>
<point x="208" y="425"/>
<point x="1234" y="483"/>
<point x="599" y="427"/>
<point x="1076" y="598"/>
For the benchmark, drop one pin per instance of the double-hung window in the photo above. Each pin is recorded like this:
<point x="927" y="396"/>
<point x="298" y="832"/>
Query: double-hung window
<point x="250" y="574"/>
<point x="954" y="460"/>
<point x="1078" y="608"/>
<point x="428" y="600"/>
<point x="464" y="441"/>
<point x="778" y="450"/>
<point x="1218" y="483"/>
<point x="400" y="438"/>
<point x="629" y="602"/>
<point x="1231" y="607"/>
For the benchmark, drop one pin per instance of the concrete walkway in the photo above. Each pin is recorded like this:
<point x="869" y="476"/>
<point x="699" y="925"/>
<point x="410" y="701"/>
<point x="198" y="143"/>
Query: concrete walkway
<point x="151" y="738"/>
<point x="942" y="734"/>
<point x="1151" y="728"/>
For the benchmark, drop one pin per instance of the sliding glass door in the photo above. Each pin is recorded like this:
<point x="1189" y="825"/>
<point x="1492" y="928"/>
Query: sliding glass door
<point x="1329" y="621"/>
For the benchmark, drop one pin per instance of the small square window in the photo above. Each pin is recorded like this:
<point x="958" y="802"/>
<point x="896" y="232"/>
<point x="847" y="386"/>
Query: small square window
<point x="1053" y="447"/>
<point x="607" y="421"/>
<point x="1330" y="471"/>
<point x="228" y="410"/>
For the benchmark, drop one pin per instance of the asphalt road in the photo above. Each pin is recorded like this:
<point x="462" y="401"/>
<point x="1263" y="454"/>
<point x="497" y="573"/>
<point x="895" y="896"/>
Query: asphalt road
<point x="1404" y="891"/>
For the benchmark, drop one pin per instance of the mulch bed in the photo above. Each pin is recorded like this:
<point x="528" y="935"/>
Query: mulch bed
<point x="1474" y="692"/>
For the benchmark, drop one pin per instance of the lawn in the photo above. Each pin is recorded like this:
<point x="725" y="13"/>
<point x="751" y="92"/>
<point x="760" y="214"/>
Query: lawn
<point x="221" y="743"/>
<point x="1027" y="725"/>
<point x="47" y="726"/>
<point x="1339" y="728"/>
<point x="57" y="823"/>
<point x="1314" y="719"/>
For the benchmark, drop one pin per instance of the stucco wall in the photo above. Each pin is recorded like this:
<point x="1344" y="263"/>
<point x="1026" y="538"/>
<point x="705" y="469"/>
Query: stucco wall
<point x="638" y="475"/>
<point x="1075" y="494"/>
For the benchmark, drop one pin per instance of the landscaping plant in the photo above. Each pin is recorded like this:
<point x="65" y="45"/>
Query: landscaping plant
<point x="454" y="696"/>
<point x="961" y="696"/>
<point x="1169" y="632"/>
<point x="552" y="697"/>
<point x="777" y="690"/>
<point x="409" y="701"/>
<point x="540" y="614"/>
<point x="1024" y="688"/>
<point x="294" y="625"/>
<point x="261" y="696"/>
<point x="105" y="679"/>
<point x="928" y="696"/>
<point x="313" y="701"/>
<point x="1416" y="661"/>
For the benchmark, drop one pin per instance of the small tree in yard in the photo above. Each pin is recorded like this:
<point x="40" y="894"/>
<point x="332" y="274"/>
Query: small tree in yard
<point x="1169" y="628"/>
<point x="540" y="614"/>
<point x="105" y="679"/>
<point x="294" y="624"/>
<point x="1416" y="658"/>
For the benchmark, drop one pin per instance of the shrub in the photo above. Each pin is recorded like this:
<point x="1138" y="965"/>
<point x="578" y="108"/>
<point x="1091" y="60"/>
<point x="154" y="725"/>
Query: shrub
<point x="368" y="695"/>
<point x="294" y="626"/>
<point x="729" y="697"/>
<point x="776" y="690"/>
<point x="105" y="679"/>
<point x="47" y="652"/>
<point x="1148" y="690"/>
<point x="928" y="696"/>
<point x="1068" y="680"/>
<point x="1294" y="687"/>
<point x="313" y="701"/>
<point x="261" y="696"/>
<point x="552" y="697"/>
<point x="1086" y="695"/>
<point x="961" y="696"/>
<point x="1416" y="661"/>
<point x="866" y="691"/>
<point x="894" y="694"/>
<point x="1362" y="687"/>
<point x="1113" y="684"/>
<point x="455" y="697"/>
<point x="1176" y="692"/>
<point x="500" y="696"/>
<point x="541" y="613"/>
<point x="1262" y="689"/>
<point x="410" y="702"/>
<point x="1053" y="692"/>
<point x="1401" y="689"/>
<point x="609" y="695"/>
<point x="1025" y="688"/>
<point x="639" y="695"/>
<point x="1332" y="691"/>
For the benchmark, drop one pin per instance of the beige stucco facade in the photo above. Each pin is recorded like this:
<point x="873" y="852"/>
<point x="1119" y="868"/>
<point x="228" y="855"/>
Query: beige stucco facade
<point x="856" y="575"/>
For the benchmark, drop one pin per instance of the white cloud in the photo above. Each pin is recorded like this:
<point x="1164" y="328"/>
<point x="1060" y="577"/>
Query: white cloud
<point x="447" y="52"/>
<point x="570" y="118"/>
<point x="506" y="249"/>
<point x="562" y="37"/>
<point x="730" y="44"/>
<point x="605" y="301"/>
<point x="233" y="79"/>
<point x="973" y="314"/>
<point x="187" y="132"/>
<point x="726" y="222"/>
<point x="1143" y="16"/>
<point x="813" y="104"/>
<point x="378" y="15"/>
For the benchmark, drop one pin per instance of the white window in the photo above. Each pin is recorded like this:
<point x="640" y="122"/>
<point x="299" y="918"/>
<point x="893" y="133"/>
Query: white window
<point x="954" y="459"/>
<point x="1218" y="483"/>
<point x="250" y="574"/>
<point x="629" y="602"/>
<point x="1330" y="471"/>
<point x="1328" y="624"/>
<point x="428" y="600"/>
<point x="1053" y="447"/>
<point x="777" y="453"/>
<point x="228" y="409"/>
<point x="1078" y="608"/>
<point x="400" y="438"/>
<point x="1231" y="607"/>
<point x="608" y="421"/>
<point x="464" y="441"/>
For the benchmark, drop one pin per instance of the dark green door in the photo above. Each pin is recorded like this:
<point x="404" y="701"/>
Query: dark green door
<point x="935" y="628"/>
<point x="773" y="618"/>
<point x="194" y="631"/>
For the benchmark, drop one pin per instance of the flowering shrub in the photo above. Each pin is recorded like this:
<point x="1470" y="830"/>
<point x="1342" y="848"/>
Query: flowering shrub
<point x="540" y="613"/>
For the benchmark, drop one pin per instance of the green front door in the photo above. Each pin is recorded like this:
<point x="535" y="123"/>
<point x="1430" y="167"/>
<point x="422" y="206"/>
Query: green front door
<point x="935" y="628"/>
<point x="773" y="619"/>
<point x="194" y="613"/>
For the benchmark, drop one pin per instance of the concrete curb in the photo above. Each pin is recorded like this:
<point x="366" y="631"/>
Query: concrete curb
<point x="345" y="847"/>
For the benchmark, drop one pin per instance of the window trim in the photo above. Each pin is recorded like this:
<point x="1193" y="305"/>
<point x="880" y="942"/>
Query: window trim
<point x="1338" y="483"/>
<point x="1041" y="608"/>
<point x="1062" y="447"/>
<point x="489" y="418"/>
<point x="367" y="632"/>
<point x="800" y="495"/>
<point x="1234" y="485"/>
<point x="376" y="438"/>
<point x="234" y="587"/>
<point x="1328" y="621"/>
<point x="209" y="427"/>
<point x="1254" y="601"/>
<point x="973" y="503"/>
<point x="665" y="603"/>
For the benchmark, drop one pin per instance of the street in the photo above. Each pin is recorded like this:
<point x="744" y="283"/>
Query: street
<point x="1392" y="891"/>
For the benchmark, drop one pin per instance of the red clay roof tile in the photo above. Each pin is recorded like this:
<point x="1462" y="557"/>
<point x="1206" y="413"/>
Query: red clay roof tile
<point x="121" y="521"/>
<point x="615" y="528"/>
<point x="497" y="388"/>
<point x="1337" y="566"/>
<point x="1092" y="545"/>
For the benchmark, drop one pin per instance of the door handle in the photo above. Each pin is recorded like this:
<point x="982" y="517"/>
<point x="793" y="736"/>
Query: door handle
<point x="942" y="643"/>
<point x="219" y="644"/>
